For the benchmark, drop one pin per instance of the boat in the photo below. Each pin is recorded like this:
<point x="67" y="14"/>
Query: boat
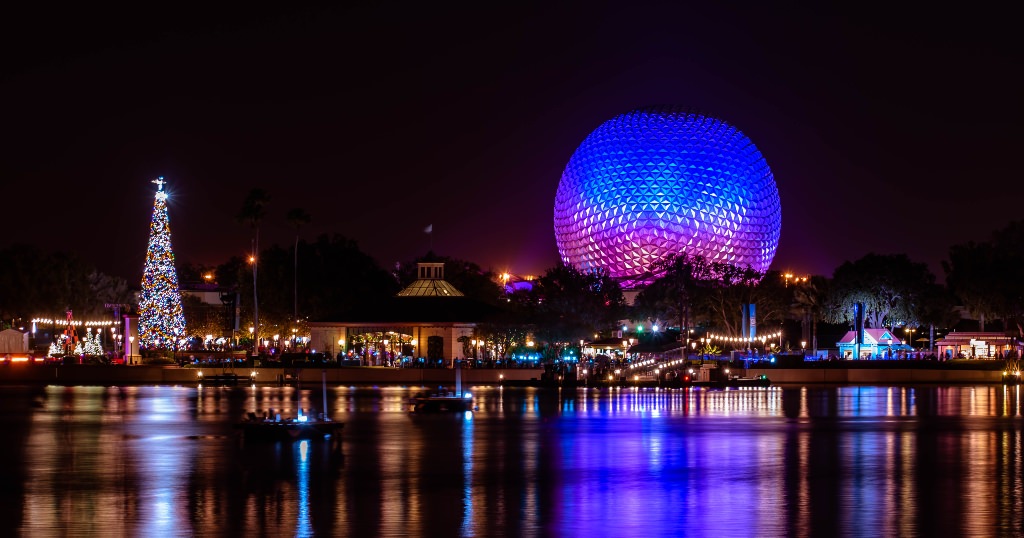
<point x="442" y="401"/>
<point x="1012" y="374"/>
<point x="255" y="428"/>
<point x="439" y="402"/>
<point x="271" y="427"/>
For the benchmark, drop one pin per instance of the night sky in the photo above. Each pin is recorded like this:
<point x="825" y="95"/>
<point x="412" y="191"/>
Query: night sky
<point x="886" y="131"/>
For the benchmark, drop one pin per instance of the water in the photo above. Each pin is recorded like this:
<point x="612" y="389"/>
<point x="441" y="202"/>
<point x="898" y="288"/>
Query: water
<point x="806" y="461"/>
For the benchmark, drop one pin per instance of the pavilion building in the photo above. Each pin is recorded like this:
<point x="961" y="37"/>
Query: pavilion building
<point x="977" y="345"/>
<point x="424" y="323"/>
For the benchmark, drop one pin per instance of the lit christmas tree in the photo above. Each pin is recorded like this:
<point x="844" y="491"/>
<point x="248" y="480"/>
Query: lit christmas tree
<point x="92" y="344"/>
<point x="161" y="321"/>
<point x="57" y="347"/>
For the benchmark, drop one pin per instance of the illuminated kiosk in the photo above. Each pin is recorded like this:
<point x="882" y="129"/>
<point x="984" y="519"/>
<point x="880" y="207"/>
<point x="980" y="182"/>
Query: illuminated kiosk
<point x="877" y="344"/>
<point x="658" y="181"/>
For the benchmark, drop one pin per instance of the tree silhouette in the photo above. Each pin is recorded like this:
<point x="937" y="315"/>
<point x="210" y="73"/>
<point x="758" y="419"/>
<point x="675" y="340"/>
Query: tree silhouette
<point x="254" y="208"/>
<point x="887" y="285"/>
<point x="571" y="305"/>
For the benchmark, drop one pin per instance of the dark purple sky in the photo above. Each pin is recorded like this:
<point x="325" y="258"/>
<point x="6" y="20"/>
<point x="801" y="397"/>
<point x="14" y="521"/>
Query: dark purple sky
<point x="886" y="131"/>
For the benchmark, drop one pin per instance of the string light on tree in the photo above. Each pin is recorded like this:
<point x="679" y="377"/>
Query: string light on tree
<point x="91" y="345"/>
<point x="161" y="320"/>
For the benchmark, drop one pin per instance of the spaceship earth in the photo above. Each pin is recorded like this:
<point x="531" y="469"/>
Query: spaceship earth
<point x="659" y="181"/>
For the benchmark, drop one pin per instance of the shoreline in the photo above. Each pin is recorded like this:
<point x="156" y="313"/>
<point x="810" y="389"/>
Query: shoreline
<point x="424" y="377"/>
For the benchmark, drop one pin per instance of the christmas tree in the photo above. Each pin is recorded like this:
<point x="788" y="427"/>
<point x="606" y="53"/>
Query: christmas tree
<point x="92" y="344"/>
<point x="161" y="321"/>
<point x="57" y="347"/>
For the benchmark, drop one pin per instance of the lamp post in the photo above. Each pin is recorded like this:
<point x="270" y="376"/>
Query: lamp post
<point x="131" y="349"/>
<point x="803" y="347"/>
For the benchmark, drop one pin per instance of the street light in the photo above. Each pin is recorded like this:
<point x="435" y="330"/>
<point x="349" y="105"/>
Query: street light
<point x="131" y="349"/>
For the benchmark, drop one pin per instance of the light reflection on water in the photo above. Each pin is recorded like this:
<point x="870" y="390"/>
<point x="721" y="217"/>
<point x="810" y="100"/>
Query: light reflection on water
<point x="801" y="461"/>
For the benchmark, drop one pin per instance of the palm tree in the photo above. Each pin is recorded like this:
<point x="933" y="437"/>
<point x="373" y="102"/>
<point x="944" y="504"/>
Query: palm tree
<point x="254" y="208"/>
<point x="810" y="297"/>
<point x="298" y="218"/>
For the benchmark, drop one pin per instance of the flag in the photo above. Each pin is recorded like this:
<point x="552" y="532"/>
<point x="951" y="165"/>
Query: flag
<point x="429" y="228"/>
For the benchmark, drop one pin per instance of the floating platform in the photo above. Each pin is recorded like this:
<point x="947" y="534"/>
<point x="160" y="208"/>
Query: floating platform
<point x="760" y="381"/>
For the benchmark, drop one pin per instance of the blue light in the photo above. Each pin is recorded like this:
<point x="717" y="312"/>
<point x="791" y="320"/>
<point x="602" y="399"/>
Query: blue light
<point x="658" y="181"/>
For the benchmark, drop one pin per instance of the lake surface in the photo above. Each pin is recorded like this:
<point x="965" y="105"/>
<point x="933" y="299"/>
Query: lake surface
<point x="801" y="461"/>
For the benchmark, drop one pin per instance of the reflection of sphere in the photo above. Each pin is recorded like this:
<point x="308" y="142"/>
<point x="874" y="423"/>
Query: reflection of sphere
<point x="659" y="181"/>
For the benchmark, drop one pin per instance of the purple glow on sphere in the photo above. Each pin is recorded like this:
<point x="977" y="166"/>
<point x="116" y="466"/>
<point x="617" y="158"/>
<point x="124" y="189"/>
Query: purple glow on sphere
<point x="658" y="181"/>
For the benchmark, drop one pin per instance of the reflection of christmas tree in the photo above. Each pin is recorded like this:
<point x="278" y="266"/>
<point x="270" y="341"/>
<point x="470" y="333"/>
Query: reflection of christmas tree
<point x="161" y="321"/>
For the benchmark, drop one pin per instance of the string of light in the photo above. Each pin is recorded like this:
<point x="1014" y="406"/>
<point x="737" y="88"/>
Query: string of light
<point x="75" y="323"/>
<point x="736" y="339"/>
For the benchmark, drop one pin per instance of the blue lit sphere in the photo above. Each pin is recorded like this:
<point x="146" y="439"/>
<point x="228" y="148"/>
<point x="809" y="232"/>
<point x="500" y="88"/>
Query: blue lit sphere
<point x="659" y="181"/>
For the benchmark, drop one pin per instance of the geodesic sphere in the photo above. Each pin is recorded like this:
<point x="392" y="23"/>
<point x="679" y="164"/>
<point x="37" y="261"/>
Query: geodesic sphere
<point x="658" y="181"/>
